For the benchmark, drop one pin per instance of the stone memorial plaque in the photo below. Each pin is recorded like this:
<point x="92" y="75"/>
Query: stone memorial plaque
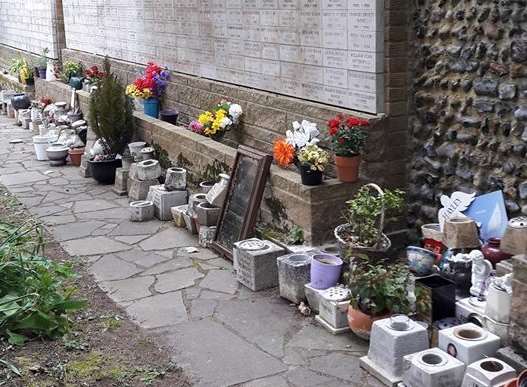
<point x="328" y="51"/>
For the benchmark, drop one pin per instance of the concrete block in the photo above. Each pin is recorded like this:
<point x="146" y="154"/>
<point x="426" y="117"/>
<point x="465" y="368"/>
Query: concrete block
<point x="490" y="372"/>
<point x="512" y="357"/>
<point x="148" y="170"/>
<point x="432" y="368"/>
<point x="177" y="215"/>
<point x="468" y="342"/>
<point x="164" y="200"/>
<point x="257" y="267"/>
<point x="207" y="214"/>
<point x="313" y="297"/>
<point x="393" y="338"/>
<point x="293" y="274"/>
<point x="141" y="211"/>
<point x="206" y="235"/>
<point x="120" y="186"/>
<point x="138" y="190"/>
<point x="190" y="223"/>
<point x="85" y="168"/>
<point x="176" y="179"/>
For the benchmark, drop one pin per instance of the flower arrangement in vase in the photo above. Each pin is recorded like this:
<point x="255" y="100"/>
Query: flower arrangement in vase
<point x="93" y="76"/>
<point x="218" y="121"/>
<point x="21" y="68"/>
<point x="348" y="141"/>
<point x="300" y="148"/>
<point x="150" y="87"/>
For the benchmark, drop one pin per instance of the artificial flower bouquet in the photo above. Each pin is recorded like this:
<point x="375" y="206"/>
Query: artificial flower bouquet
<point x="94" y="75"/>
<point x="302" y="134"/>
<point x="216" y="122"/>
<point x="152" y="84"/>
<point x="313" y="157"/>
<point x="348" y="140"/>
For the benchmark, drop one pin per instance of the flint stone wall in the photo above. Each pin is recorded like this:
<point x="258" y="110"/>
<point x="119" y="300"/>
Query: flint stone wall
<point x="468" y="130"/>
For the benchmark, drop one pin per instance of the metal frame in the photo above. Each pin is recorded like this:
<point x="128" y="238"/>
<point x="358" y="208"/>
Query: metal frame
<point x="249" y="221"/>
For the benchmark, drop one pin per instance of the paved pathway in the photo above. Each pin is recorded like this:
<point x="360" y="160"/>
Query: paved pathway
<point x="220" y="332"/>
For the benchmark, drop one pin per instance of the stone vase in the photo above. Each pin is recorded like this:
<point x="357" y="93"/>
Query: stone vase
<point x="176" y="179"/>
<point x="141" y="211"/>
<point x="148" y="170"/>
<point x="461" y="233"/>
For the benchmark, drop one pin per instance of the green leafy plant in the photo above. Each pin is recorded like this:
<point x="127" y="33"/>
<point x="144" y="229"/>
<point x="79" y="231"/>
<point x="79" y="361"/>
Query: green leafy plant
<point x="43" y="58"/>
<point x="21" y="67"/>
<point x="34" y="297"/>
<point x="110" y="113"/>
<point x="213" y="171"/>
<point x="379" y="289"/>
<point x="364" y="211"/>
<point x="70" y="69"/>
<point x="347" y="137"/>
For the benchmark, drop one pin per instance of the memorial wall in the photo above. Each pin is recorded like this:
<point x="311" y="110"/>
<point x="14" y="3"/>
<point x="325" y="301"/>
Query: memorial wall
<point x="328" y="51"/>
<point x="28" y="27"/>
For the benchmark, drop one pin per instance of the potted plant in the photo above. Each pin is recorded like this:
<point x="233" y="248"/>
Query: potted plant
<point x="377" y="291"/>
<point x="302" y="139"/>
<point x="42" y="64"/>
<point x="111" y="119"/>
<point x="218" y="121"/>
<point x="348" y="141"/>
<point x="312" y="160"/>
<point x="72" y="74"/>
<point x="150" y="87"/>
<point x="93" y="76"/>
<point x="365" y="214"/>
<point x="20" y="67"/>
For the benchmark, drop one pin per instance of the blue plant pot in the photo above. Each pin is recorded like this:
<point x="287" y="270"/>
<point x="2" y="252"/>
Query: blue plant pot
<point x="151" y="107"/>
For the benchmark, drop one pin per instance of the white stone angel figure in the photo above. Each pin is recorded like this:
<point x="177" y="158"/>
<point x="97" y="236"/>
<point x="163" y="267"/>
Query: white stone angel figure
<point x="481" y="269"/>
<point x="303" y="134"/>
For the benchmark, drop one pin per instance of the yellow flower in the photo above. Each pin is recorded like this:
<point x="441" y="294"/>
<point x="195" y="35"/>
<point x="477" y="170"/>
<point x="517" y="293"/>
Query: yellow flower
<point x="205" y="118"/>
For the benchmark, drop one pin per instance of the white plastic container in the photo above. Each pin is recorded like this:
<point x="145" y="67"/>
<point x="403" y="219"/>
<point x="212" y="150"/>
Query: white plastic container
<point x="41" y="143"/>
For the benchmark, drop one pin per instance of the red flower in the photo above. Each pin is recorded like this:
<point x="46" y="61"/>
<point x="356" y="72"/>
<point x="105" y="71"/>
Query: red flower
<point x="354" y="121"/>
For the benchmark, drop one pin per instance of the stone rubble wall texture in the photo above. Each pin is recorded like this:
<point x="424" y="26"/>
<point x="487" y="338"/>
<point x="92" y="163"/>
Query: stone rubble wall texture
<point x="469" y="129"/>
<point x="32" y="26"/>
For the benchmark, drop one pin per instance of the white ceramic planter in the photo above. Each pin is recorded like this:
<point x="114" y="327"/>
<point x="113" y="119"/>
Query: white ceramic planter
<point x="41" y="143"/>
<point x="57" y="154"/>
<point x="490" y="372"/>
<point x="207" y="214"/>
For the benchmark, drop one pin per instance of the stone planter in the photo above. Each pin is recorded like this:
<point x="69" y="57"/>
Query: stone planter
<point x="141" y="211"/>
<point x="176" y="179"/>
<point x="205" y="186"/>
<point x="432" y="367"/>
<point x="177" y="215"/>
<point x="135" y="148"/>
<point x="206" y="235"/>
<point x="293" y="274"/>
<point x="488" y="373"/>
<point x="57" y="154"/>
<point x="148" y="170"/>
<point x="193" y="202"/>
<point x="147" y="153"/>
<point x="207" y="214"/>
<point x="164" y="200"/>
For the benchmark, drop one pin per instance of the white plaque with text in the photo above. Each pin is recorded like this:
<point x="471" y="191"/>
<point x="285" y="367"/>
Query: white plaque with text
<point x="327" y="51"/>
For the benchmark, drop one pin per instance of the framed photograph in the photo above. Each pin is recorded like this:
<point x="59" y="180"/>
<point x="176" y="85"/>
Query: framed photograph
<point x="244" y="195"/>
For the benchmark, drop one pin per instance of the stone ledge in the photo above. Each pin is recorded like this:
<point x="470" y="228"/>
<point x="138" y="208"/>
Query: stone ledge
<point x="11" y="82"/>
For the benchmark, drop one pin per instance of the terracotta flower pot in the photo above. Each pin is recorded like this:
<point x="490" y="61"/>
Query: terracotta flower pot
<point x="75" y="156"/>
<point x="361" y="323"/>
<point x="348" y="168"/>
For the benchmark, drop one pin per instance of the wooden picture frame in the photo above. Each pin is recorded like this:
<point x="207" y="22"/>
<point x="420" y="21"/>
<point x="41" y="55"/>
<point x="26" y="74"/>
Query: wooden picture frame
<point x="239" y="211"/>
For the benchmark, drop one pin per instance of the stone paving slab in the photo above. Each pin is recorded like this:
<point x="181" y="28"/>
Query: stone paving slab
<point x="220" y="332"/>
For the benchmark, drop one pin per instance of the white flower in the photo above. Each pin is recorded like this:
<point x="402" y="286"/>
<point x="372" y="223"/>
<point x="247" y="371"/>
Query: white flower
<point x="235" y="111"/>
<point x="302" y="134"/>
<point x="225" y="122"/>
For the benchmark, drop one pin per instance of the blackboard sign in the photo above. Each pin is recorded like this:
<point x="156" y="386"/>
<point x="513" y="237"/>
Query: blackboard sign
<point x="241" y="206"/>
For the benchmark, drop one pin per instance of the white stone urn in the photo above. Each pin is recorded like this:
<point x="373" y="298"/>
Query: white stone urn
<point x="176" y="179"/>
<point x="148" y="170"/>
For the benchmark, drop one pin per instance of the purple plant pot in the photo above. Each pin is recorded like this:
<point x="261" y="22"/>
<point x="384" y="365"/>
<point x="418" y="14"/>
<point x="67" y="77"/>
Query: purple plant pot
<point x="325" y="271"/>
